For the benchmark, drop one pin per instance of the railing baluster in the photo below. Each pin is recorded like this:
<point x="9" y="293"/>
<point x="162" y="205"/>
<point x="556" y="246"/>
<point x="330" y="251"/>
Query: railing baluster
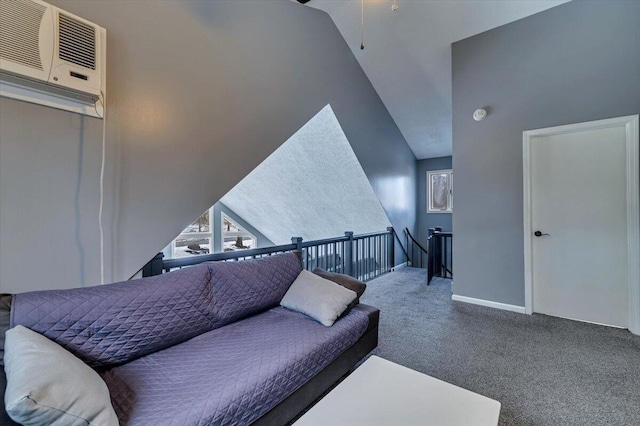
<point x="357" y="259"/>
<point x="385" y="241"/>
<point x="372" y="273"/>
<point x="380" y="247"/>
<point x="361" y="261"/>
<point x="367" y="256"/>
<point x="367" y="264"/>
<point x="369" y="260"/>
<point x="375" y="256"/>
<point x="362" y="264"/>
<point x="390" y="246"/>
<point x="444" y="254"/>
<point x="377" y="259"/>
<point x="373" y="259"/>
<point x="383" y="253"/>
<point x="370" y="265"/>
<point x="325" y="257"/>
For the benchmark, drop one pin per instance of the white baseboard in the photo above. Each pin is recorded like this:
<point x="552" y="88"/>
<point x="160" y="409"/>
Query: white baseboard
<point x="400" y="266"/>
<point x="488" y="303"/>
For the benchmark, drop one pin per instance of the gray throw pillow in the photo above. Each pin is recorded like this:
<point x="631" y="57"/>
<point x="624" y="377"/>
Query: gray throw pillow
<point x="346" y="281"/>
<point x="46" y="385"/>
<point x="317" y="298"/>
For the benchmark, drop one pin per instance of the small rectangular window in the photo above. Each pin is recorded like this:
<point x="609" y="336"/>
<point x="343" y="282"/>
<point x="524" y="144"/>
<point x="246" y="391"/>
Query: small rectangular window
<point x="440" y="191"/>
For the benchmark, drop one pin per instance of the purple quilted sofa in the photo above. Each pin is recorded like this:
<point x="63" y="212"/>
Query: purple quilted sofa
<point x="205" y="345"/>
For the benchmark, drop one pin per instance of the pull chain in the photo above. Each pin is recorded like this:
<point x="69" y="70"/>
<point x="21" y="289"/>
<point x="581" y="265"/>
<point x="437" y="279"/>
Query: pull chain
<point x="361" y="24"/>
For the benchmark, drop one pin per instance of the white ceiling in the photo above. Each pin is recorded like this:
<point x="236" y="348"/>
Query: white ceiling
<point x="407" y="55"/>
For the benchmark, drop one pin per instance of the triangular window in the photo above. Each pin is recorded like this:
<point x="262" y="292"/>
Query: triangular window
<point x="234" y="237"/>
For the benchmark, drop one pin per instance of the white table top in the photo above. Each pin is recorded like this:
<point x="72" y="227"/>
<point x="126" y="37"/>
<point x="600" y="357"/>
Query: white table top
<point x="381" y="393"/>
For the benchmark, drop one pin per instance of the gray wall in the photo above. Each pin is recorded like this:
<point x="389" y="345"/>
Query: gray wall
<point x="49" y="168"/>
<point x="430" y="220"/>
<point x="198" y="94"/>
<point x="576" y="62"/>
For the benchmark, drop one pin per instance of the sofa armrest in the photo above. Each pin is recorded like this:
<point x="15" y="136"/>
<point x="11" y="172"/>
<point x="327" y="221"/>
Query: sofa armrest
<point x="344" y="280"/>
<point x="374" y="315"/>
<point x="5" y="420"/>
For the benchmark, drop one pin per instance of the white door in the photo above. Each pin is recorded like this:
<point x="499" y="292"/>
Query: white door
<point x="578" y="196"/>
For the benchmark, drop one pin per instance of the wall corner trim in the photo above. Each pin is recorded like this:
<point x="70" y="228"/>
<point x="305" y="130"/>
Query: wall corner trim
<point x="488" y="303"/>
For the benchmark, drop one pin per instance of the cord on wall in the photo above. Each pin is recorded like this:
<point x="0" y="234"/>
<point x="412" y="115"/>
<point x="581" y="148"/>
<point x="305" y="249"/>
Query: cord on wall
<point x="361" y="24"/>
<point x="104" y="144"/>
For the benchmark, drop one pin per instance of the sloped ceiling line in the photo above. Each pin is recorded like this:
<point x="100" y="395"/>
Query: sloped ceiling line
<point x="312" y="186"/>
<point x="408" y="56"/>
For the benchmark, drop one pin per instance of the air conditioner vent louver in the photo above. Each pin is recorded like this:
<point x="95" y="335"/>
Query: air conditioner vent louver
<point x="19" y="32"/>
<point x="52" y="57"/>
<point x="77" y="42"/>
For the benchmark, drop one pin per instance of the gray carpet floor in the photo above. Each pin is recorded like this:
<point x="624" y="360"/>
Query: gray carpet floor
<point x="544" y="370"/>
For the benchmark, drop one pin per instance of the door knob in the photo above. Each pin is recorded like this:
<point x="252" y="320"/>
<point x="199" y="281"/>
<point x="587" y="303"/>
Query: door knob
<point x="539" y="234"/>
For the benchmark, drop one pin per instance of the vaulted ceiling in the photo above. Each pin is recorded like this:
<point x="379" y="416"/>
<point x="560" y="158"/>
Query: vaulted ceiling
<point x="407" y="55"/>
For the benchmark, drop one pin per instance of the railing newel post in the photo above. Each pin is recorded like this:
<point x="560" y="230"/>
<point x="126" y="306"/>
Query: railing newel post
<point x="348" y="255"/>
<point x="154" y="266"/>
<point x="391" y="249"/>
<point x="298" y="242"/>
<point x="406" y="244"/>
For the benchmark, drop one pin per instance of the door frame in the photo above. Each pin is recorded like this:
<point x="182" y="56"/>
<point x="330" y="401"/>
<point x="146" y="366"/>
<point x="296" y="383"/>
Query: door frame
<point x="631" y="124"/>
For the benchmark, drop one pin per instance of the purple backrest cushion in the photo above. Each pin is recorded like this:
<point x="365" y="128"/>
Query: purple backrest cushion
<point x="247" y="287"/>
<point x="115" y="323"/>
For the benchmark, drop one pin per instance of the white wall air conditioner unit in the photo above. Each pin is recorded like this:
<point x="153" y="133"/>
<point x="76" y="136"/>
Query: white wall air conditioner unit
<point x="51" y="57"/>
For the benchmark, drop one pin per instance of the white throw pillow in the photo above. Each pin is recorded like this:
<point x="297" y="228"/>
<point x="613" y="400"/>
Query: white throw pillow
<point x="319" y="298"/>
<point x="47" y="385"/>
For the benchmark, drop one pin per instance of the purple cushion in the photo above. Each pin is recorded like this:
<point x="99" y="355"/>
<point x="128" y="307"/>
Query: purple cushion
<point x="116" y="323"/>
<point x="232" y="375"/>
<point x="247" y="287"/>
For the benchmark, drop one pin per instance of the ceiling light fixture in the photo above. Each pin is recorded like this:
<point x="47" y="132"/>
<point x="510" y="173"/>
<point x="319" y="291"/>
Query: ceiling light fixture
<point x="394" y="6"/>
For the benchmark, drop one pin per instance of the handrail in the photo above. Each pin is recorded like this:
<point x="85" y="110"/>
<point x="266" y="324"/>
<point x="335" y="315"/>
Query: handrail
<point x="370" y="234"/>
<point x="409" y="238"/>
<point x="324" y="241"/>
<point x="364" y="256"/>
<point x="187" y="261"/>
<point x="406" y="255"/>
<point x="416" y="242"/>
